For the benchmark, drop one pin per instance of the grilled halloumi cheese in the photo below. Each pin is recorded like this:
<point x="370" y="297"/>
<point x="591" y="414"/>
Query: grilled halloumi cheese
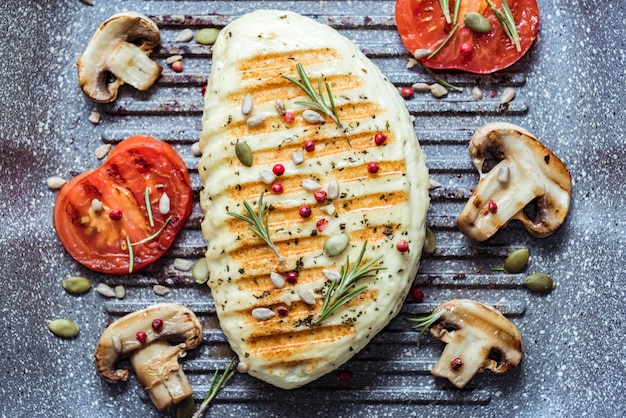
<point x="377" y="193"/>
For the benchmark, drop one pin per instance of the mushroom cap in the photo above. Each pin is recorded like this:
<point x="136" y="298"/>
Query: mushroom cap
<point x="121" y="42"/>
<point x="119" y="339"/>
<point x="527" y="172"/>
<point x="477" y="334"/>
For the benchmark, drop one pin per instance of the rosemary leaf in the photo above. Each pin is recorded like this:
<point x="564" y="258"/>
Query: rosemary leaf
<point x="131" y="255"/>
<point x="146" y="196"/>
<point x="445" y="8"/>
<point x="156" y="234"/>
<point x="444" y="43"/>
<point x="441" y="80"/>
<point x="457" y="6"/>
<point x="507" y="21"/>
<point x="319" y="103"/>
<point x="424" y="323"/>
<point x="215" y="387"/>
<point x="341" y="291"/>
<point x="259" y="223"/>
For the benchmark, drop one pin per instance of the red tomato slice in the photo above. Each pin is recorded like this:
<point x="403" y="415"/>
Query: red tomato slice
<point x="96" y="240"/>
<point x="422" y="25"/>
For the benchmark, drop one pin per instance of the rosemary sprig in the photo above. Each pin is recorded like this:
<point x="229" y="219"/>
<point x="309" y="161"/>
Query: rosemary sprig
<point x="441" y="80"/>
<point x="508" y="22"/>
<point x="215" y="387"/>
<point x="156" y="234"/>
<point x="259" y="223"/>
<point x="146" y="196"/>
<point x="343" y="290"/>
<point x="445" y="8"/>
<point x="131" y="255"/>
<point x="318" y="103"/>
<point x="457" y="7"/>
<point x="444" y="43"/>
<point x="424" y="323"/>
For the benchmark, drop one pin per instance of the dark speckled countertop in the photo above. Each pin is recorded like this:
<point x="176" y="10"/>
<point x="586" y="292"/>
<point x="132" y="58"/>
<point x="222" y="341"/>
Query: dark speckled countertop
<point x="570" y="93"/>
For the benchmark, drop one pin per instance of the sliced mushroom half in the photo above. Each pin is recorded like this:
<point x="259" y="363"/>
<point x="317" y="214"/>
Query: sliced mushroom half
<point x="143" y="336"/>
<point x="478" y="338"/>
<point x="527" y="172"/>
<point x="117" y="54"/>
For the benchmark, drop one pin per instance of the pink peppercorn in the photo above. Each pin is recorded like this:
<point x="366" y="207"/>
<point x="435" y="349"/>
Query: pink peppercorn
<point x="344" y="375"/>
<point x="380" y="138"/>
<point x="372" y="167"/>
<point x="278" y="169"/>
<point x="466" y="48"/>
<point x="406" y="92"/>
<point x="320" y="196"/>
<point x="292" y="277"/>
<point x="305" y="211"/>
<point x="277" y="188"/>
<point x="141" y="336"/>
<point x="321" y="224"/>
<point x="289" y="117"/>
<point x="178" y="66"/>
<point x="417" y="295"/>
<point x="456" y="363"/>
<point x="115" y="215"/>
<point x="282" y="310"/>
<point x="203" y="91"/>
<point x="492" y="206"/>
<point x="402" y="245"/>
<point x="309" y="146"/>
<point x="157" y="324"/>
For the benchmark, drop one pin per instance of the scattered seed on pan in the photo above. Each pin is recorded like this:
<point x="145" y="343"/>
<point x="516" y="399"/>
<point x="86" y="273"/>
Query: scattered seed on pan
<point x="508" y="94"/>
<point x="242" y="367"/>
<point x="178" y="18"/>
<point x="421" y="87"/>
<point x="173" y="58"/>
<point x="247" y="104"/>
<point x="120" y="292"/>
<point x="182" y="264"/>
<point x="87" y="2"/>
<point x="312" y="116"/>
<point x="262" y="314"/>
<point x="200" y="271"/>
<point x="434" y="184"/>
<point x="63" y="328"/>
<point x="438" y="90"/>
<point x="195" y="149"/>
<point x="412" y="62"/>
<point x="94" y="117"/>
<point x="161" y="290"/>
<point x="102" y="151"/>
<point x="207" y="36"/>
<point x="184" y="35"/>
<point x="516" y="261"/>
<point x="105" y="290"/>
<point x="430" y="243"/>
<point x="328" y="209"/>
<point x="186" y="408"/>
<point x="55" y="182"/>
<point x="76" y="285"/>
<point x="178" y="66"/>
<point x="539" y="282"/>
<point x="477" y="93"/>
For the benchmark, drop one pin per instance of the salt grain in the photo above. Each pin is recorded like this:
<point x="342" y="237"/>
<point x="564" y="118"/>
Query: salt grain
<point x="94" y="117"/>
<point x="267" y="176"/>
<point x="297" y="157"/>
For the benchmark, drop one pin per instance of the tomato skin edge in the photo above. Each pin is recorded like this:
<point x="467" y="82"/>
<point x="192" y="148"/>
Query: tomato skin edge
<point x="86" y="248"/>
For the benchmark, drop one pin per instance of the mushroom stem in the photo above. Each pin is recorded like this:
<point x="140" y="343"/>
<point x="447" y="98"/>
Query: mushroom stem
<point x="474" y="354"/>
<point x="130" y="64"/>
<point x="158" y="371"/>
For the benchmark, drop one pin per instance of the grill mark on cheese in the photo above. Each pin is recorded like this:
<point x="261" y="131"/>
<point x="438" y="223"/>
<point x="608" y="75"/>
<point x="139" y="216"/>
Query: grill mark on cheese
<point x="260" y="65"/>
<point x="286" y="344"/>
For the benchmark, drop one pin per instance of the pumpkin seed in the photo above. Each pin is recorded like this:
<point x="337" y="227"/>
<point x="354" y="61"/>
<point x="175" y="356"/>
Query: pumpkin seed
<point x="76" y="285"/>
<point x="539" y="282"/>
<point x="105" y="290"/>
<point x="55" y="182"/>
<point x="255" y="121"/>
<point x="247" y="104"/>
<point x="312" y="116"/>
<point x="277" y="279"/>
<point x="184" y="35"/>
<point x="200" y="271"/>
<point x="244" y="153"/>
<point x="178" y="18"/>
<point x="507" y="95"/>
<point x="307" y="296"/>
<point x="477" y="22"/>
<point x="186" y="408"/>
<point x="262" y="314"/>
<point x="207" y="36"/>
<point x="63" y="328"/>
<point x="516" y="261"/>
<point x="336" y="244"/>
<point x="430" y="243"/>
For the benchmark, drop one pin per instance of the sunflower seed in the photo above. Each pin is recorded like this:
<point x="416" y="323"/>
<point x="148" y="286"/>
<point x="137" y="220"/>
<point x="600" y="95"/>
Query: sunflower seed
<point x="434" y="184"/>
<point x="178" y="18"/>
<point x="328" y="209"/>
<point x="477" y="93"/>
<point x="120" y="292"/>
<point x="102" y="151"/>
<point x="185" y="35"/>
<point x="164" y="204"/>
<point x="421" y="87"/>
<point x="247" y="104"/>
<point x="504" y="173"/>
<point x="161" y="290"/>
<point x="418" y="54"/>
<point x="173" y="58"/>
<point x="333" y="190"/>
<point x="267" y="176"/>
<point x="331" y="274"/>
<point x="182" y="264"/>
<point x="287" y="298"/>
<point x="262" y="314"/>
<point x="255" y="121"/>
<point x="411" y="63"/>
<point x="200" y="271"/>
<point x="297" y="157"/>
<point x="55" y="182"/>
<point x="507" y="95"/>
<point x="94" y="117"/>
<point x="105" y="290"/>
<point x="307" y="296"/>
<point x="242" y="367"/>
<point x="97" y="206"/>
<point x="63" y="328"/>
<point x="438" y="90"/>
<point x="311" y="185"/>
<point x="312" y="116"/>
<point x="280" y="107"/>
<point x="277" y="279"/>
<point x="195" y="149"/>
